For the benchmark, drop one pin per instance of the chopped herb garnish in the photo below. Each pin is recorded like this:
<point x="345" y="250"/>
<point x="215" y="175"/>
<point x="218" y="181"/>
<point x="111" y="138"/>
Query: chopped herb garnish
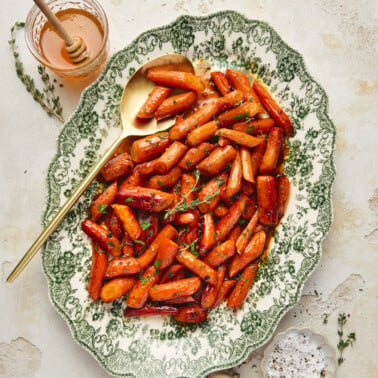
<point x="128" y="199"/>
<point x="157" y="264"/>
<point x="144" y="280"/>
<point x="343" y="343"/>
<point x="161" y="184"/>
<point x="144" y="225"/>
<point x="239" y="116"/>
<point x="110" y="243"/>
<point x="140" y="242"/>
<point x="102" y="208"/>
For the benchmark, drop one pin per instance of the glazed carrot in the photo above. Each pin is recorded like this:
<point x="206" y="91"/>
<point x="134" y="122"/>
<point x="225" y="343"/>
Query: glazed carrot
<point x="175" y="289"/>
<point x="235" y="179"/>
<point x="153" y="101"/>
<point x="149" y="225"/>
<point x="210" y="292"/>
<point x="122" y="266"/>
<point x="230" y="100"/>
<point x="127" y="245"/>
<point x="166" y="253"/>
<point x="194" y="155"/>
<point x="267" y="200"/>
<point x="191" y="314"/>
<point x="272" y="151"/>
<point x="117" y="167"/>
<point x="225" y="224"/>
<point x="250" y="208"/>
<point x="134" y="179"/>
<point x="100" y="205"/>
<point x="181" y="300"/>
<point x="176" y="79"/>
<point x="247" y="187"/>
<point x="283" y="194"/>
<point x="170" y="157"/>
<point x="188" y="184"/>
<point x="240" y="81"/>
<point x="190" y="218"/>
<point x="247" y="233"/>
<point x="127" y="217"/>
<point x="175" y="104"/>
<point x="234" y="233"/>
<point x="257" y="155"/>
<point x="104" y="238"/>
<point x="223" y="141"/>
<point x="220" y="253"/>
<point x="239" y="137"/>
<point x="168" y="232"/>
<point x="201" y="116"/>
<point x="98" y="269"/>
<point x="146" y="169"/>
<point x="151" y="310"/>
<point x="145" y="198"/>
<point x="163" y="182"/>
<point x="223" y="292"/>
<point x="221" y="82"/>
<point x="115" y="226"/>
<point x="255" y="126"/>
<point x="212" y="191"/>
<point x="252" y="251"/>
<point x="208" y="234"/>
<point x="274" y="110"/>
<point x="116" y="288"/>
<point x="216" y="161"/>
<point x="221" y="210"/>
<point x="139" y="293"/>
<point x="241" y="112"/>
<point x="202" y="133"/>
<point x="192" y="235"/>
<point x="240" y="291"/>
<point x="247" y="166"/>
<point x="171" y="273"/>
<point x="149" y="147"/>
<point x="197" y="266"/>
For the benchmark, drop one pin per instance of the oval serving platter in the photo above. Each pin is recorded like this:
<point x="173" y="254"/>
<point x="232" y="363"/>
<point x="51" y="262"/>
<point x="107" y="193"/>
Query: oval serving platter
<point x="158" y="346"/>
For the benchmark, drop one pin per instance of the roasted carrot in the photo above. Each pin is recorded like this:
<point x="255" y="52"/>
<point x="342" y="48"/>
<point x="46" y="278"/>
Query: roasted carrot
<point x="190" y="218"/>
<point x="171" y="273"/>
<point x="104" y="238"/>
<point x="225" y="224"/>
<point x="197" y="266"/>
<point x="115" y="226"/>
<point x="219" y="254"/>
<point x="180" y="300"/>
<point x="240" y="81"/>
<point x="116" y="288"/>
<point x="194" y="155"/>
<point x="175" y="104"/>
<point x="221" y="82"/>
<point x="98" y="269"/>
<point x="274" y="110"/>
<point x="168" y="232"/>
<point x="250" y="207"/>
<point x="151" y="310"/>
<point x="122" y="266"/>
<point x="235" y="178"/>
<point x="166" y="253"/>
<point x="208" y="234"/>
<point x="149" y="147"/>
<point x="223" y="292"/>
<point x="255" y="126"/>
<point x="202" y="133"/>
<point x="210" y="292"/>
<point x="223" y="141"/>
<point x="230" y="100"/>
<point x="117" y="167"/>
<point x="239" y="137"/>
<point x="216" y="161"/>
<point x="252" y="251"/>
<point x="283" y="194"/>
<point x="272" y="151"/>
<point x="134" y="179"/>
<point x="257" y="155"/>
<point x="149" y="224"/>
<point x="240" y="291"/>
<point x="234" y="233"/>
<point x="212" y="193"/>
<point x="240" y="113"/>
<point x="221" y="210"/>
<point x="170" y="157"/>
<point x="163" y="182"/>
<point x="267" y="200"/>
<point x="146" y="169"/>
<point x="191" y="314"/>
<point x="101" y="204"/>
<point x="247" y="233"/>
<point x="247" y="187"/>
<point x="188" y="183"/>
<point x="153" y="101"/>
<point x="247" y="166"/>
<point x="145" y="198"/>
<point x="139" y="293"/>
<point x="127" y="245"/>
<point x="127" y="217"/>
<point x="175" y="289"/>
<point x="176" y="79"/>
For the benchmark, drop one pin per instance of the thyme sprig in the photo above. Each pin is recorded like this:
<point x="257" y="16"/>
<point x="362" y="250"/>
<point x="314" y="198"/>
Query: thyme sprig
<point x="184" y="204"/>
<point x="46" y="98"/>
<point x="343" y="343"/>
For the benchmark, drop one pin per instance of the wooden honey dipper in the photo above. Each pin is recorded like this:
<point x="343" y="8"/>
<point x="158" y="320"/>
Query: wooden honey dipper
<point x="75" y="46"/>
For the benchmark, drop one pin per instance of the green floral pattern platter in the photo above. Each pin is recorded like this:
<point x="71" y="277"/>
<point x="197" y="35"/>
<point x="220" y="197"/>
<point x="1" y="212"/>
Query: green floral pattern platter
<point x="158" y="346"/>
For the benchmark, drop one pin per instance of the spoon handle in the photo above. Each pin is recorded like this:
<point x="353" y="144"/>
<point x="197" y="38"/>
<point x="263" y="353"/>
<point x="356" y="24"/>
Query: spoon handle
<point x="54" y="21"/>
<point x="57" y="219"/>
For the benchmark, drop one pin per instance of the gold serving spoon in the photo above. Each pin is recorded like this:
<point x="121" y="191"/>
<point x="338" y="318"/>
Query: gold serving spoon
<point x="133" y="97"/>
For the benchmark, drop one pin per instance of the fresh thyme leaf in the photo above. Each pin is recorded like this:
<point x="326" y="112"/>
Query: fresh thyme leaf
<point x="140" y="242"/>
<point x="239" y="116"/>
<point x="343" y="343"/>
<point x="157" y="264"/>
<point x="144" y="280"/>
<point x="102" y="208"/>
<point x="110" y="243"/>
<point x="46" y="98"/>
<point x="161" y="184"/>
<point x="128" y="199"/>
<point x="144" y="225"/>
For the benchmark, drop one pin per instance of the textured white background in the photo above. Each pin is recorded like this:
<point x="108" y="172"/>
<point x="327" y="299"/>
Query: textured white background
<point x="338" y="41"/>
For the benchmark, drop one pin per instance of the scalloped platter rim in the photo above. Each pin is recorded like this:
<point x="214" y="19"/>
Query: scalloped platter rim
<point x="159" y="347"/>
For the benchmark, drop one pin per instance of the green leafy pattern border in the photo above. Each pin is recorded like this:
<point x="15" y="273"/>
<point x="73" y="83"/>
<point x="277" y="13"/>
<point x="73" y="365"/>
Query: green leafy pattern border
<point x="159" y="347"/>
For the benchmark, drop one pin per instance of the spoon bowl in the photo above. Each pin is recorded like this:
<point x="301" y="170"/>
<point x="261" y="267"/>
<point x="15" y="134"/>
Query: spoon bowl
<point x="134" y="94"/>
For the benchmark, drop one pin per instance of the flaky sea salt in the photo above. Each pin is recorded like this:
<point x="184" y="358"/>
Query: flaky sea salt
<point x="296" y="355"/>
